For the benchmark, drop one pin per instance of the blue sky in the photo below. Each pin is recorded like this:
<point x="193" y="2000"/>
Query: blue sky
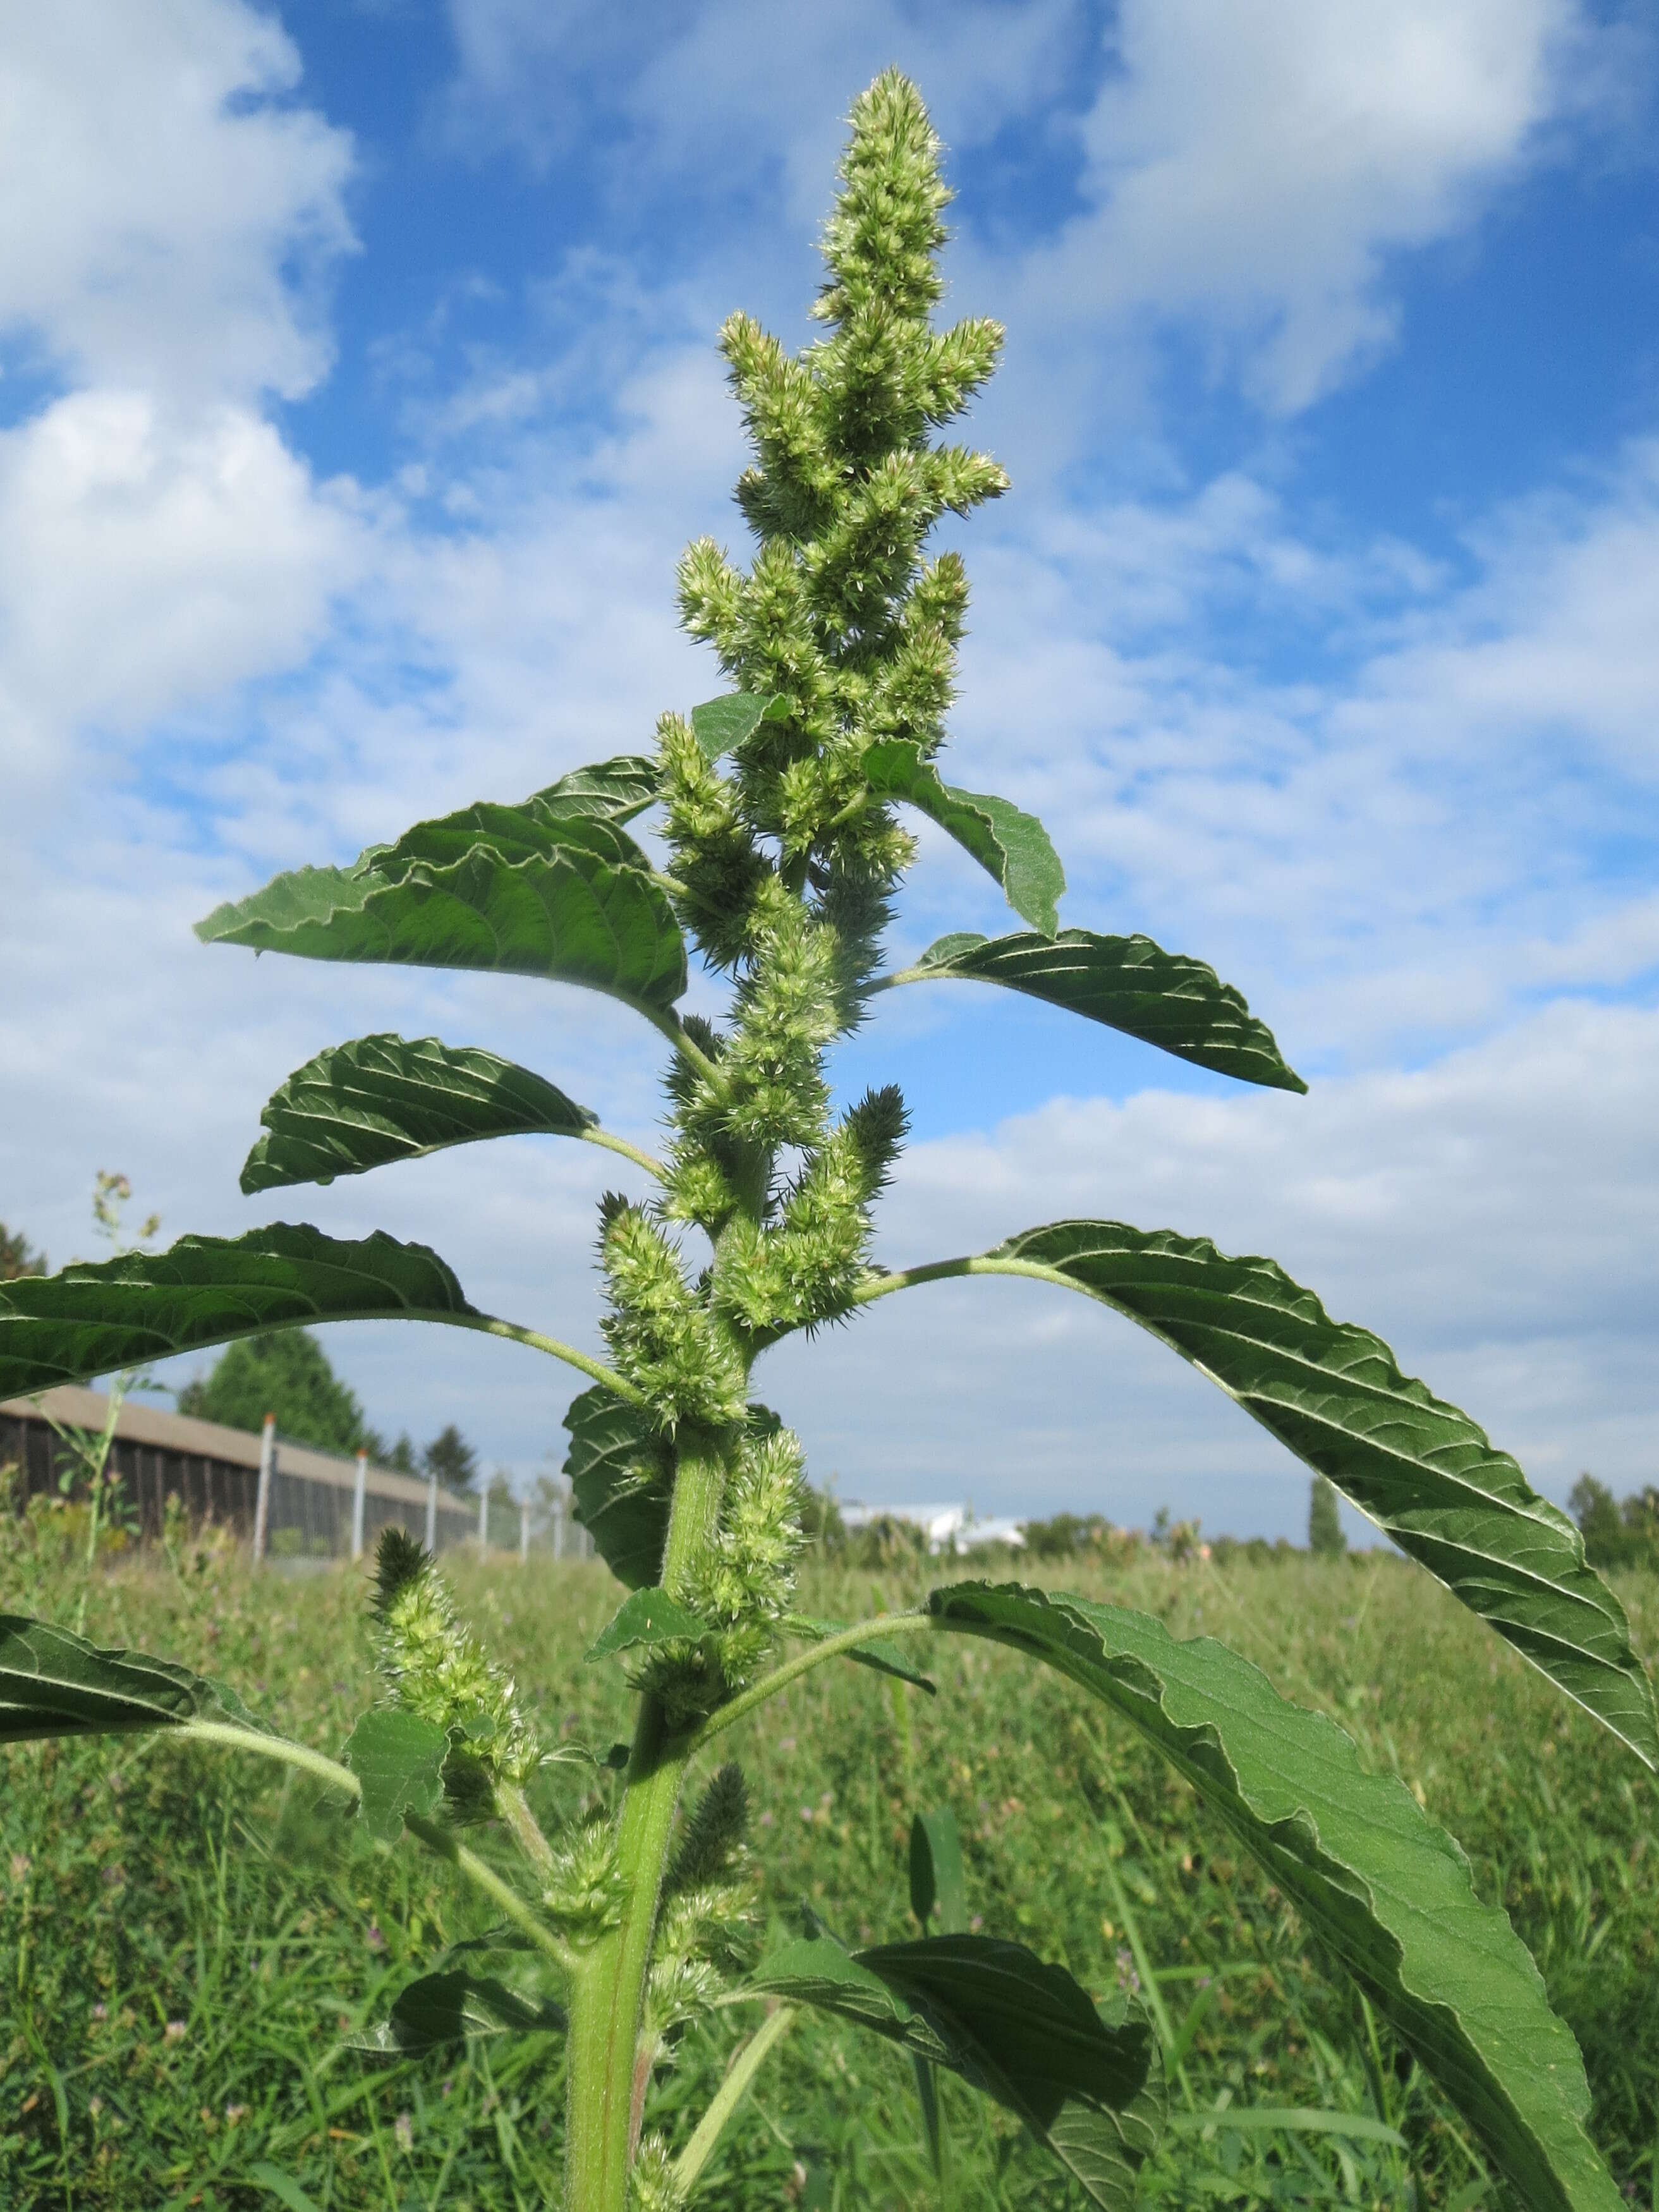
<point x="359" y="392"/>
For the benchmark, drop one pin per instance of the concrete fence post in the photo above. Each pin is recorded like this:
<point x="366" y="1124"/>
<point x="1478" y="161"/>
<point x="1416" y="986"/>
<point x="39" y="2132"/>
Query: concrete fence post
<point x="359" y="1490"/>
<point x="484" y="1523"/>
<point x="432" y="1513"/>
<point x="262" y="1501"/>
<point x="523" y="1530"/>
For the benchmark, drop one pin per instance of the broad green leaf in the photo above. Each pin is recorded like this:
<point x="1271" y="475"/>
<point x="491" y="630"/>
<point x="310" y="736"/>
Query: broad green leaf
<point x="535" y="890"/>
<point x="56" y="1684"/>
<point x="617" y="789"/>
<point x="881" y="1655"/>
<point x="1012" y="846"/>
<point x="1089" y="2088"/>
<point x="93" y="1318"/>
<point x="1423" y="1471"/>
<point x="648" y="1616"/>
<point x="619" y="1484"/>
<point x="399" y="1759"/>
<point x="721" y="725"/>
<point x="380" y="1098"/>
<point x="1388" y="1890"/>
<point x="450" y="2007"/>
<point x="936" y="1875"/>
<point x="1125" y="983"/>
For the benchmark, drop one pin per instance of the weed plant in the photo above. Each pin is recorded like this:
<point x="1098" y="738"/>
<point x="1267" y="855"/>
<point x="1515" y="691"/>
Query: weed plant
<point x="618" y="1866"/>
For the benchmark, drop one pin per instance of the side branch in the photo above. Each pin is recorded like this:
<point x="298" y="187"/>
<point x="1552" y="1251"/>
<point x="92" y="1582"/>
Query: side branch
<point x="741" y="2072"/>
<point x="865" y="1632"/>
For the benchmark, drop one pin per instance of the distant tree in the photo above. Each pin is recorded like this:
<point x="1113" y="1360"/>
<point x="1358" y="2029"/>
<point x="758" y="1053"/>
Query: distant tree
<point x="17" y="1256"/>
<point x="1325" y="1534"/>
<point x="286" y="1373"/>
<point x="452" y="1458"/>
<point x="401" y="1457"/>
<point x="1616" y="1535"/>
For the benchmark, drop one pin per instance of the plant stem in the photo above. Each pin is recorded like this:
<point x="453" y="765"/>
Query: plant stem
<point x="607" y="1994"/>
<point x="739" y="2075"/>
<point x="514" y="1809"/>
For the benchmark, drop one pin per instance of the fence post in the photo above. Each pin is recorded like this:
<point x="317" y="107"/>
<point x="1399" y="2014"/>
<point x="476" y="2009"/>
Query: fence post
<point x="558" y="1524"/>
<point x="262" y="1502"/>
<point x="523" y="1530"/>
<point x="432" y="1513"/>
<point x="484" y="1523"/>
<point x="358" y="1489"/>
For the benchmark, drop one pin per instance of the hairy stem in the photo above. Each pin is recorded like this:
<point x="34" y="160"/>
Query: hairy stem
<point x="739" y="2075"/>
<point x="608" y="1995"/>
<point x="526" y="1830"/>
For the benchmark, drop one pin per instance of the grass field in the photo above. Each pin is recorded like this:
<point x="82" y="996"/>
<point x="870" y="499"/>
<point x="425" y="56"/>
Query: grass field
<point x="183" y="1940"/>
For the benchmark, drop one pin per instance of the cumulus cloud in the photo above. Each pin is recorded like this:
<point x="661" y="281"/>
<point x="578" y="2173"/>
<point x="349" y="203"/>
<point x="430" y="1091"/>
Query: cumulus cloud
<point x="149" y="561"/>
<point x="166" y="210"/>
<point x="1252" y="168"/>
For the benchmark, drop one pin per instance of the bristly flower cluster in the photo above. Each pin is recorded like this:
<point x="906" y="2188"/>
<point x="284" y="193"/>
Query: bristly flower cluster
<point x="436" y="1669"/>
<point x="783" y="858"/>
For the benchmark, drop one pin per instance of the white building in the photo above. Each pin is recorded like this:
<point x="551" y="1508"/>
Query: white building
<point x="947" y="1527"/>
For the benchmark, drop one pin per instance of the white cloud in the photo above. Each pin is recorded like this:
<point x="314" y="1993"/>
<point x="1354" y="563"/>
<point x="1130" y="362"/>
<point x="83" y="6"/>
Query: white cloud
<point x="147" y="562"/>
<point x="165" y="210"/>
<point x="721" y="95"/>
<point x="1253" y="167"/>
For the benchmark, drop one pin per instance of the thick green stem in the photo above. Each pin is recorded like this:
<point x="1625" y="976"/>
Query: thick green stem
<point x="607" y="1995"/>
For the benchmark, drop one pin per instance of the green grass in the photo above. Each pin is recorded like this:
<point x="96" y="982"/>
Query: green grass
<point x="184" y="1938"/>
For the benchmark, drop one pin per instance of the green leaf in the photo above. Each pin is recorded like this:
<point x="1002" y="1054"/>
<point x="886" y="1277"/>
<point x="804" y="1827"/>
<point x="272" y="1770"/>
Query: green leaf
<point x="1127" y="983"/>
<point x="399" y="1759"/>
<point x="936" y="1875"/>
<point x="379" y="1098"/>
<point x="96" y="1317"/>
<point x="1388" y="1890"/>
<point x="1423" y="1471"/>
<point x="619" y="1478"/>
<point x="721" y="725"/>
<point x="1010" y="845"/>
<point x="648" y="1616"/>
<point x="537" y="890"/>
<point x="449" y="2008"/>
<point x="1089" y="2088"/>
<point x="615" y="789"/>
<point x="56" y="1684"/>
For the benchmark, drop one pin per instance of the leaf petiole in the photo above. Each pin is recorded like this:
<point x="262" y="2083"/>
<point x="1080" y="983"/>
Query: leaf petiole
<point x="739" y="2075"/>
<point x="746" y="1701"/>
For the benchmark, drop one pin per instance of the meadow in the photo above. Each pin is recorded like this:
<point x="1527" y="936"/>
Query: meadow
<point x="185" y="1941"/>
